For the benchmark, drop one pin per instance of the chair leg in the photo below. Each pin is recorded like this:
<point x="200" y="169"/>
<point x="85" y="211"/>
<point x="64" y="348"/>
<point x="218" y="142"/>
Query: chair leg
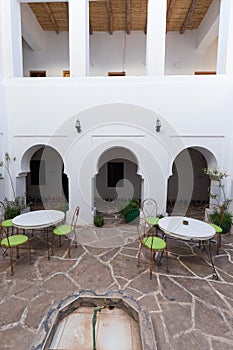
<point x="219" y="241"/>
<point x="69" y="245"/>
<point x="139" y="254"/>
<point x="152" y="257"/>
<point x="30" y="253"/>
<point x="52" y="243"/>
<point x="17" y="250"/>
<point x="4" y="254"/>
<point x="11" y="261"/>
<point x="166" y="258"/>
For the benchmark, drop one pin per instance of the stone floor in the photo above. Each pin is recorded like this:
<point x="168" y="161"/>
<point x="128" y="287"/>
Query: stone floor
<point x="189" y="309"/>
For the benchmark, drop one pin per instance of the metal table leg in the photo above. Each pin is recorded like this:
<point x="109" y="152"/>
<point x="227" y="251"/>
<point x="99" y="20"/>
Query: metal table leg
<point x="208" y="251"/>
<point x="47" y="235"/>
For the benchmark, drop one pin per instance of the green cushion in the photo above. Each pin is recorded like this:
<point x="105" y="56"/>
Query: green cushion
<point x="152" y="220"/>
<point x="218" y="229"/>
<point x="7" y="223"/>
<point x="14" y="240"/>
<point x="154" y="243"/>
<point x="63" y="230"/>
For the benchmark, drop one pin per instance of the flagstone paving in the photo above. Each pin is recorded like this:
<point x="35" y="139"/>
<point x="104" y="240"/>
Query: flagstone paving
<point x="188" y="308"/>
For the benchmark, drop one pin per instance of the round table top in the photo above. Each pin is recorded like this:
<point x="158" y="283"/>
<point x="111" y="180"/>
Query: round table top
<point x="38" y="219"/>
<point x="186" y="228"/>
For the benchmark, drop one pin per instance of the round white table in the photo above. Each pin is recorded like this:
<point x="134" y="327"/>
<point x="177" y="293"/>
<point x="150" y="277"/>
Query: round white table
<point x="186" y="228"/>
<point x="39" y="219"/>
<point x="190" y="230"/>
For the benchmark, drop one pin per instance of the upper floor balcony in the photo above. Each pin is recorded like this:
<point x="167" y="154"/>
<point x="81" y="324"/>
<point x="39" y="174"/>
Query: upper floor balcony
<point x="115" y="38"/>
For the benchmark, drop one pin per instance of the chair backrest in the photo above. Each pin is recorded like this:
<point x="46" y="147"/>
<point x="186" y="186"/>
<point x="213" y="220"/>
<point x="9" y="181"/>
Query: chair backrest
<point x="143" y="228"/>
<point x="75" y="217"/>
<point x="2" y="211"/>
<point x="149" y="207"/>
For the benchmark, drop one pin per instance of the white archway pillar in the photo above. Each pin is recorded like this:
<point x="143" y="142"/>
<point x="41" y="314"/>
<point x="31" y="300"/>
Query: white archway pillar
<point x="11" y="64"/>
<point x="156" y="37"/>
<point x="78" y="37"/>
<point x="225" y="38"/>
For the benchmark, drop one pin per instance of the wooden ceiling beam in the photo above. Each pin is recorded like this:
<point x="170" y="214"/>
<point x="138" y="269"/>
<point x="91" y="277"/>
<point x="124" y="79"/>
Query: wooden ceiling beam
<point x="49" y="12"/>
<point x="109" y="10"/>
<point x="128" y="16"/>
<point x="189" y="15"/>
<point x="90" y="27"/>
<point x="169" y="12"/>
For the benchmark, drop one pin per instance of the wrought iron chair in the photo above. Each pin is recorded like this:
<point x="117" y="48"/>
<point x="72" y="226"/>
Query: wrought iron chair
<point x="6" y="224"/>
<point x="151" y="242"/>
<point x="207" y="210"/>
<point x="66" y="230"/>
<point x="14" y="241"/>
<point x="149" y="209"/>
<point x="2" y="211"/>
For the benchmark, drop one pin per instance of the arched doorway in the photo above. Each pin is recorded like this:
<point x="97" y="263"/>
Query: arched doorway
<point x="46" y="182"/>
<point x="117" y="180"/>
<point x="188" y="186"/>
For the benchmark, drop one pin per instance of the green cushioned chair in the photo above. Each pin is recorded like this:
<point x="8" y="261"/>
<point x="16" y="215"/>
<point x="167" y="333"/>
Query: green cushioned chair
<point x="14" y="241"/>
<point x="7" y="223"/>
<point x="218" y="231"/>
<point x="153" y="221"/>
<point x="149" y="210"/>
<point x="66" y="230"/>
<point x="151" y="242"/>
<point x="217" y="228"/>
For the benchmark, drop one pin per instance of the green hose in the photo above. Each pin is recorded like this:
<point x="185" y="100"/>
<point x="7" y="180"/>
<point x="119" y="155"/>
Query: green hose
<point x="94" y="319"/>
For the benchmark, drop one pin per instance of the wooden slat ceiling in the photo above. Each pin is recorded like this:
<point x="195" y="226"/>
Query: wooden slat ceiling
<point x="122" y="15"/>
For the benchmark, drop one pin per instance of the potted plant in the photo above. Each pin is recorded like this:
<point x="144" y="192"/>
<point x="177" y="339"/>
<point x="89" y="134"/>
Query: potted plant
<point x="15" y="206"/>
<point x="224" y="221"/>
<point x="220" y="214"/>
<point x="98" y="220"/>
<point x="130" y="211"/>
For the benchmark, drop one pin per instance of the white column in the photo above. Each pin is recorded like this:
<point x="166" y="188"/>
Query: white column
<point x="16" y="38"/>
<point x="78" y="37"/>
<point x="225" y="38"/>
<point x="6" y="50"/>
<point x="10" y="39"/>
<point x="156" y="37"/>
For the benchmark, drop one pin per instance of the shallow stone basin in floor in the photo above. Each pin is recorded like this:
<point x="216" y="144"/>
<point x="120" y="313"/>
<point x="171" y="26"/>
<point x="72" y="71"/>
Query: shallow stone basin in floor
<point x="121" y="323"/>
<point x="114" y="330"/>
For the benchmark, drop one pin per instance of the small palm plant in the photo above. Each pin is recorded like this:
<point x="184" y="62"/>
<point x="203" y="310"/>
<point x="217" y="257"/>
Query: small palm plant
<point x="15" y="206"/>
<point x="221" y="215"/>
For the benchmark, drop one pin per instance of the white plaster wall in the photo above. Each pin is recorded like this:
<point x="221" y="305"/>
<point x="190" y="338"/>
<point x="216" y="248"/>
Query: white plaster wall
<point x="194" y="111"/>
<point x="54" y="57"/>
<point x="182" y="57"/>
<point x="121" y="52"/>
<point x="118" y="52"/>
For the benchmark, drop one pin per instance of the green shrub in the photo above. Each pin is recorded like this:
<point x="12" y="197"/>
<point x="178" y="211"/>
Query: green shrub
<point x="130" y="211"/>
<point x="98" y="220"/>
<point x="224" y="220"/>
<point x="14" y="207"/>
<point x="126" y="208"/>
